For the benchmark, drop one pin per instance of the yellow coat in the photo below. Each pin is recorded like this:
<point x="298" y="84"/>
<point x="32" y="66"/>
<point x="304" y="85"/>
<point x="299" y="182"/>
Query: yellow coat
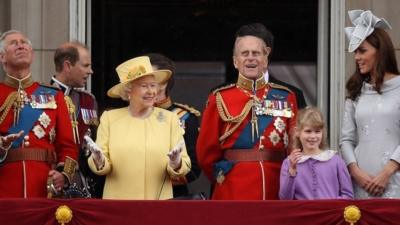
<point x="136" y="150"/>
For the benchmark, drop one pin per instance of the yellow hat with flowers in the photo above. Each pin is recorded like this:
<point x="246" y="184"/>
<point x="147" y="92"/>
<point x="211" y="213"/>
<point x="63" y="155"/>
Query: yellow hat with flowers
<point x="134" y="69"/>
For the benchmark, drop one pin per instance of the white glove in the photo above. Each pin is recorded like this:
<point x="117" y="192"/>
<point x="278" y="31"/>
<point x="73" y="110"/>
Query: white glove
<point x="175" y="157"/>
<point x="96" y="151"/>
<point x="6" y="141"/>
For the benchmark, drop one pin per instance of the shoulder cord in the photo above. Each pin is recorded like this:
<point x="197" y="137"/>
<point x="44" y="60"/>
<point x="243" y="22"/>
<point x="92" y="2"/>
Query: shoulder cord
<point x="227" y="117"/>
<point x="5" y="108"/>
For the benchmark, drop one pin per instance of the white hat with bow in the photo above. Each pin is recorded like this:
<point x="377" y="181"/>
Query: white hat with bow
<point x="364" y="24"/>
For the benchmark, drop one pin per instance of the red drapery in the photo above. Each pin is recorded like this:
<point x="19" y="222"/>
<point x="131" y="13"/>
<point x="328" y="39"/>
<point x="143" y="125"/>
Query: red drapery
<point x="95" y="212"/>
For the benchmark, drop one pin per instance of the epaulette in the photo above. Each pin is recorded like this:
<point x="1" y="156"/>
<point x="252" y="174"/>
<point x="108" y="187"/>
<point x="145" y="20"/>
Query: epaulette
<point x="224" y="87"/>
<point x="273" y="85"/>
<point x="188" y="108"/>
<point x="84" y="91"/>
<point x="50" y="86"/>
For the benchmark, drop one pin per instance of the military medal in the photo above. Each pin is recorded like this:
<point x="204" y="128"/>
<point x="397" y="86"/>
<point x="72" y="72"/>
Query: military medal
<point x="279" y="124"/>
<point x="85" y="116"/>
<point x="93" y="117"/>
<point x="51" y="102"/>
<point x="43" y="101"/>
<point x="44" y="120"/>
<point x="38" y="131"/>
<point x="89" y="116"/>
<point x="278" y="108"/>
<point x="274" y="137"/>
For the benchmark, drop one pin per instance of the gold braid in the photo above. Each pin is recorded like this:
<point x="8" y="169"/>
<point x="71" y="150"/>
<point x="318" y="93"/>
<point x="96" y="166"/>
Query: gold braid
<point x="72" y="110"/>
<point x="227" y="117"/>
<point x="8" y="103"/>
<point x="70" y="105"/>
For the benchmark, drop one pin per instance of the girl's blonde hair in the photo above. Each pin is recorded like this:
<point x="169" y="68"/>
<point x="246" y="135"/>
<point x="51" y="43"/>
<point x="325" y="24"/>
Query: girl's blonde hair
<point x="310" y="116"/>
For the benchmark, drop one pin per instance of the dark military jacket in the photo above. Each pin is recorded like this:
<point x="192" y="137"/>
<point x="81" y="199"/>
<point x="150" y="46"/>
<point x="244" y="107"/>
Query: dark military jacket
<point x="84" y="120"/>
<point x="189" y="119"/>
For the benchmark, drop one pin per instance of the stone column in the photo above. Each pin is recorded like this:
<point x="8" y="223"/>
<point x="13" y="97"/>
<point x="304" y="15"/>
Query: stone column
<point x="45" y="22"/>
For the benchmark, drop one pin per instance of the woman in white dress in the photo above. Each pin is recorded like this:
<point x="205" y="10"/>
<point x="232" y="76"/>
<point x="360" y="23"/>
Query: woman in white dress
<point x="370" y="138"/>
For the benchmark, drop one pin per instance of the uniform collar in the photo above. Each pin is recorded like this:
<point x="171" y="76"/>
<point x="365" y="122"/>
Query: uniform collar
<point x="165" y="104"/>
<point x="248" y="84"/>
<point x="17" y="83"/>
<point x="65" y="88"/>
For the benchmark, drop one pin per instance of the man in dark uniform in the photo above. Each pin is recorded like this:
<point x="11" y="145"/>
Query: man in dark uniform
<point x="40" y="113"/>
<point x="189" y="118"/>
<point x="246" y="127"/>
<point x="73" y="67"/>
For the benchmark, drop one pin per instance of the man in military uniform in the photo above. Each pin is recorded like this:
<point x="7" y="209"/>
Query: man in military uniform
<point x="73" y="67"/>
<point x="189" y="118"/>
<point x="259" y="30"/>
<point x="245" y="129"/>
<point x="40" y="113"/>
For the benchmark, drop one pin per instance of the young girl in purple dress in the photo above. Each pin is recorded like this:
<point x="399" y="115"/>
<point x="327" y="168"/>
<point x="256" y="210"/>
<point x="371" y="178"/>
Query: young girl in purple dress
<point x="310" y="172"/>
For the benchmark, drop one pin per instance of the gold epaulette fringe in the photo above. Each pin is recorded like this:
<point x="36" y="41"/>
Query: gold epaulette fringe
<point x="188" y="108"/>
<point x="8" y="103"/>
<point x="223" y="88"/>
<point x="273" y="85"/>
<point x="227" y="117"/>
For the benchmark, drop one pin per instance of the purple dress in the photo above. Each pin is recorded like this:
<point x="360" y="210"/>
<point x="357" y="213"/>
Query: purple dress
<point x="322" y="176"/>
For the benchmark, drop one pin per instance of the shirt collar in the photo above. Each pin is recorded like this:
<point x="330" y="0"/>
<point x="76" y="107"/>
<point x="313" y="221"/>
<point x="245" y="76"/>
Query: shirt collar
<point x="65" y="88"/>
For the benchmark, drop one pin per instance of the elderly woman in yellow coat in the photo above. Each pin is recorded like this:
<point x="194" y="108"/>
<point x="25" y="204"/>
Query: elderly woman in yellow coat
<point x="140" y="148"/>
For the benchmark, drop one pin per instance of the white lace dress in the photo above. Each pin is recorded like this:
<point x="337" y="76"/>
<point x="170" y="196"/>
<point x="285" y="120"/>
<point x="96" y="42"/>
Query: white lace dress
<point x="371" y="133"/>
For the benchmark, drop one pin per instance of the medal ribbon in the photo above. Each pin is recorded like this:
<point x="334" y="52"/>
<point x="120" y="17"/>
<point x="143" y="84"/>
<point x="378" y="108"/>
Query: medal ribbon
<point x="245" y="140"/>
<point x="28" y="117"/>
